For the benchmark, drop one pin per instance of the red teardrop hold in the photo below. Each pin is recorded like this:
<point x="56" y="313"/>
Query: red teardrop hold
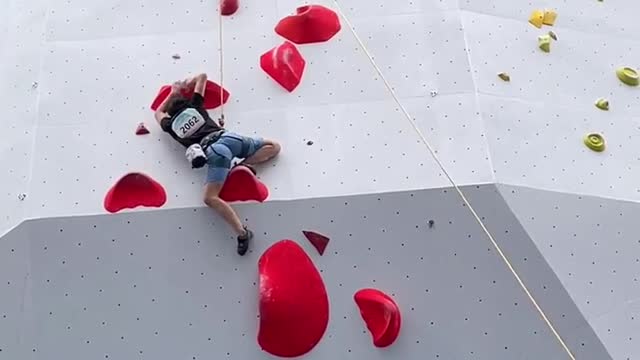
<point x="310" y="24"/>
<point x="318" y="241"/>
<point x="294" y="306"/>
<point x="228" y="7"/>
<point x="211" y="96"/>
<point x="242" y="185"/>
<point x="133" y="190"/>
<point x="284" y="64"/>
<point x="142" y="129"/>
<point x="381" y="315"/>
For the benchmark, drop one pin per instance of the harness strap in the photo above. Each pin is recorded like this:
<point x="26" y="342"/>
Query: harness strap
<point x="211" y="139"/>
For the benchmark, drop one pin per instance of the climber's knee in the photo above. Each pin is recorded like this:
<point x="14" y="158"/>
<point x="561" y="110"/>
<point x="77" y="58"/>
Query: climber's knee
<point x="211" y="198"/>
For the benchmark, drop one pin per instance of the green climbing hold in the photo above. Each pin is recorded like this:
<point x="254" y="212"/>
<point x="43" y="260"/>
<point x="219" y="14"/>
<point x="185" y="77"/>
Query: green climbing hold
<point x="628" y="76"/>
<point x="544" y="42"/>
<point x="602" y="104"/>
<point x="594" y="142"/>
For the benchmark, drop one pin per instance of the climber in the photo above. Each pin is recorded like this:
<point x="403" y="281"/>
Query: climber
<point x="189" y="123"/>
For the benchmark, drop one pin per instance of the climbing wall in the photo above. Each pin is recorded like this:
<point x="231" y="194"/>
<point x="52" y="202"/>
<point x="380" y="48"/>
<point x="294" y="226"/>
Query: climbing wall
<point x="21" y="43"/>
<point x="592" y="245"/>
<point x="168" y="284"/>
<point x="403" y="103"/>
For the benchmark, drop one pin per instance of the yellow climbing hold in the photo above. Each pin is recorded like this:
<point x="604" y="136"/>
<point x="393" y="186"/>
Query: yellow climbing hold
<point x="602" y="104"/>
<point x="594" y="142"/>
<point x="549" y="17"/>
<point x="537" y="17"/>
<point x="504" y="76"/>
<point x="628" y="76"/>
<point x="544" y="42"/>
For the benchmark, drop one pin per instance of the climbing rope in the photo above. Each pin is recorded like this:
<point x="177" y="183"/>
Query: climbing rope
<point x="453" y="183"/>
<point x="221" y="60"/>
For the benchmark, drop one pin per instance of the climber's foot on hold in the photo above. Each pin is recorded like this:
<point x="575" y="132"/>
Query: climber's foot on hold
<point x="243" y="241"/>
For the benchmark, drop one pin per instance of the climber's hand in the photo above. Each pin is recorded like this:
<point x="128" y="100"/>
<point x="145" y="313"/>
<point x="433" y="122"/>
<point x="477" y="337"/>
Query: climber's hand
<point x="178" y="86"/>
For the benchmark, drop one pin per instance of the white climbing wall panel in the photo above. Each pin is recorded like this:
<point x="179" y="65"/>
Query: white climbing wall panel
<point x="592" y="245"/>
<point x="21" y="45"/>
<point x="168" y="284"/>
<point x="536" y="123"/>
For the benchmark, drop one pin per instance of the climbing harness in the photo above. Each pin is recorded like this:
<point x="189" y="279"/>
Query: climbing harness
<point x="453" y="184"/>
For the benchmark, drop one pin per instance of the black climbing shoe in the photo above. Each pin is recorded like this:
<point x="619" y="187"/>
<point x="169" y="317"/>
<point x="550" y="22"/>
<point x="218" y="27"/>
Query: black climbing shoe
<point x="243" y="242"/>
<point x="251" y="168"/>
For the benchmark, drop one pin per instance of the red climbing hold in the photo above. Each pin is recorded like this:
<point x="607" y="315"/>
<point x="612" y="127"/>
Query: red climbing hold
<point x="318" y="241"/>
<point x="284" y="64"/>
<point x="228" y="7"/>
<point x="310" y="24"/>
<point x="211" y="96"/>
<point x="381" y="315"/>
<point x="142" y="129"/>
<point x="133" y="190"/>
<point x="242" y="185"/>
<point x="294" y="307"/>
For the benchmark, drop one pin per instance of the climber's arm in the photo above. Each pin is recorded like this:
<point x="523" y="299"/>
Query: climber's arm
<point x="200" y="84"/>
<point x="161" y="112"/>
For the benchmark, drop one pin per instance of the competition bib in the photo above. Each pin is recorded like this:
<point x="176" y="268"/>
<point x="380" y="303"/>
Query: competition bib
<point x="187" y="123"/>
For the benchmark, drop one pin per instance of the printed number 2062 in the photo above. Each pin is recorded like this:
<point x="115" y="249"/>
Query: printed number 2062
<point x="189" y="124"/>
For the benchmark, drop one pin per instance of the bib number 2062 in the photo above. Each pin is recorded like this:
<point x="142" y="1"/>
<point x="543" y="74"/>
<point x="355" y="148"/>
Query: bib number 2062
<point x="188" y="125"/>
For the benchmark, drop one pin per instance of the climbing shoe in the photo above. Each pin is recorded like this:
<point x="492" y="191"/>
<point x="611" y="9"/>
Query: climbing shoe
<point x="243" y="241"/>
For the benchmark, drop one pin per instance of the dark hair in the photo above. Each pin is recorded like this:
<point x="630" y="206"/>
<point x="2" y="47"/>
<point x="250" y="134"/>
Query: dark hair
<point x="175" y="103"/>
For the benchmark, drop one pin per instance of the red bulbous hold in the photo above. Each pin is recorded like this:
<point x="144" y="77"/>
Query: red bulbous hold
<point x="242" y="185"/>
<point x="228" y="7"/>
<point x="133" y="190"/>
<point x="284" y="64"/>
<point x="381" y="315"/>
<point x="211" y="96"/>
<point x="310" y="24"/>
<point x="294" y="306"/>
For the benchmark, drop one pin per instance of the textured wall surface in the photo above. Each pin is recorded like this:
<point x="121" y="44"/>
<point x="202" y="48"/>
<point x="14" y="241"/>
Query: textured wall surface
<point x="168" y="284"/>
<point x="593" y="246"/>
<point x="77" y="77"/>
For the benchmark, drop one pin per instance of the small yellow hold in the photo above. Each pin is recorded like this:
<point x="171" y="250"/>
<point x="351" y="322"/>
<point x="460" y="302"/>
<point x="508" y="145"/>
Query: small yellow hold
<point x="594" y="142"/>
<point x="602" y="104"/>
<point x="544" y="42"/>
<point x="504" y="76"/>
<point x="537" y="17"/>
<point x="628" y="76"/>
<point x="549" y="17"/>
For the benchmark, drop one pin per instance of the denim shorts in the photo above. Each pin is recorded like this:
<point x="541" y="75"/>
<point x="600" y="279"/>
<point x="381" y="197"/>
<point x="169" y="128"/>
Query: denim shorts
<point x="221" y="153"/>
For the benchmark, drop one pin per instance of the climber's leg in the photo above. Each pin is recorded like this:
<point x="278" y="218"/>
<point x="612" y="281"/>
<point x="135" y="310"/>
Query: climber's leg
<point x="252" y="150"/>
<point x="267" y="150"/>
<point x="219" y="159"/>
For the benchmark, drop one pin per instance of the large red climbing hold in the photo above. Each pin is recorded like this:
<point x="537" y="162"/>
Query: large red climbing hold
<point x="284" y="64"/>
<point x="381" y="315"/>
<point x="242" y="185"/>
<point x="211" y="96"/>
<point x="133" y="190"/>
<point x="318" y="241"/>
<point x="228" y="7"/>
<point x="310" y="24"/>
<point x="294" y="307"/>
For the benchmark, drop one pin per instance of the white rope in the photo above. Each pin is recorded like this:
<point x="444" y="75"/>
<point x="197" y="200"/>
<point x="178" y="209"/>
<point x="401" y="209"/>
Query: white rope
<point x="221" y="59"/>
<point x="455" y="186"/>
